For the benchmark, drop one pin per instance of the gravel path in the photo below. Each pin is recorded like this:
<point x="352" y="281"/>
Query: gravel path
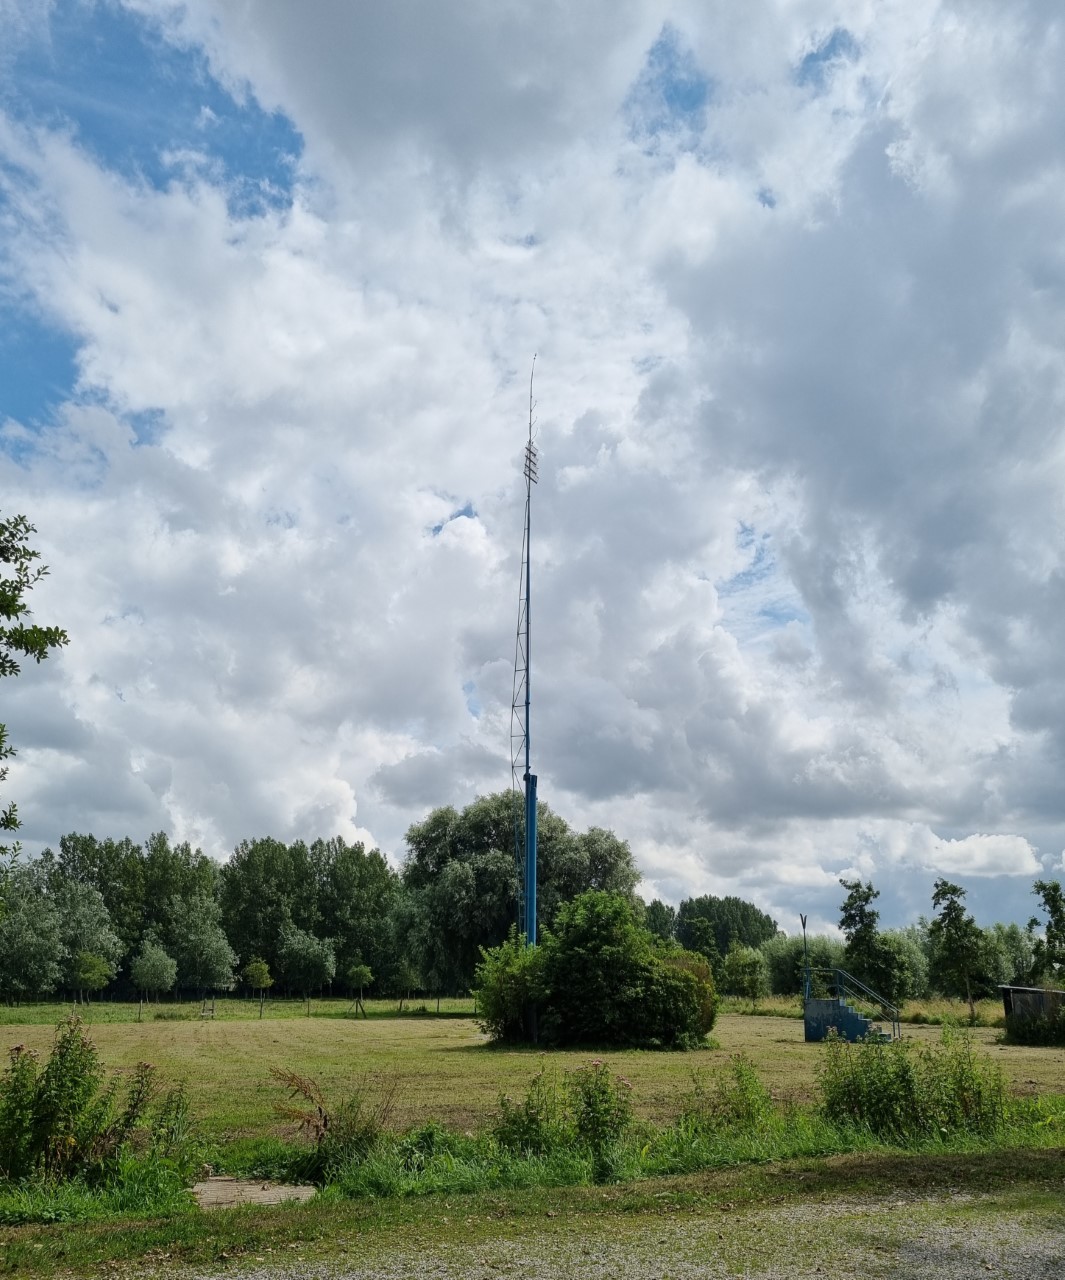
<point x="952" y="1237"/>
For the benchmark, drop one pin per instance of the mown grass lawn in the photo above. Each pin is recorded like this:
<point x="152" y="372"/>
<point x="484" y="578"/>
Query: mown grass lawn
<point x="443" y="1068"/>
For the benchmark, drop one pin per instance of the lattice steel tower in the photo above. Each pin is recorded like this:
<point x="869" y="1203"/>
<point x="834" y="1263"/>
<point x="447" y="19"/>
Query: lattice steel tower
<point x="522" y="779"/>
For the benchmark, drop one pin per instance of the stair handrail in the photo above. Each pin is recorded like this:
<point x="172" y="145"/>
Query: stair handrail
<point x="847" y="984"/>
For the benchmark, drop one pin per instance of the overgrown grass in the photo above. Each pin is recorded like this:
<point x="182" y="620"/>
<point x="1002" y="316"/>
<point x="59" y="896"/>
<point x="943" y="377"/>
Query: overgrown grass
<point x="932" y="1011"/>
<point x="137" y="1186"/>
<point x="75" y="1144"/>
<point x="573" y="1123"/>
<point x="578" y="1127"/>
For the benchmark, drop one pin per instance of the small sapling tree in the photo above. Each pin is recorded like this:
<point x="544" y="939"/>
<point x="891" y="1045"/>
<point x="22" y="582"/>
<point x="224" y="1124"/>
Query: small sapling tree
<point x="89" y="973"/>
<point x="359" y="978"/>
<point x="152" y="970"/>
<point x="307" y="963"/>
<point x="256" y="975"/>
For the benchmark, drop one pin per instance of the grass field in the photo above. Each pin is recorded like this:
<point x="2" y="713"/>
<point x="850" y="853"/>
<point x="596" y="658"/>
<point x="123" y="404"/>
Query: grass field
<point x="932" y="1011"/>
<point x="442" y="1066"/>
<point x="445" y="1071"/>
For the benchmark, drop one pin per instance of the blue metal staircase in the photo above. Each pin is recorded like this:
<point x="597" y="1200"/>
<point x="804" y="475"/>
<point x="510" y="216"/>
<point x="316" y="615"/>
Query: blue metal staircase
<point x="834" y="1000"/>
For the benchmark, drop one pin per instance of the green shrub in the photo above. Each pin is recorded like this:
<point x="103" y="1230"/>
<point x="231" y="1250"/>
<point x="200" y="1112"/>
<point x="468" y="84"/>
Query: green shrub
<point x="598" y="979"/>
<point x="589" y="1113"/>
<point x="507" y="984"/>
<point x="539" y="1123"/>
<point x="1045" y="1030"/>
<point x="604" y="981"/>
<point x="905" y="1093"/>
<point x="727" y="1100"/>
<point x="64" y="1122"/>
<point x="745" y="972"/>
<point x="420" y="1147"/>
<point x="691" y="1028"/>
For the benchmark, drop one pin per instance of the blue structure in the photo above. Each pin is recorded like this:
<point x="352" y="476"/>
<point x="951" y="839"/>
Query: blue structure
<point x="524" y="796"/>
<point x="830" y="1000"/>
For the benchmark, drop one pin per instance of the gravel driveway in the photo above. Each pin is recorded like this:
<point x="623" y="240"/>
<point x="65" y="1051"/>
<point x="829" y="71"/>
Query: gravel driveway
<point x="948" y="1237"/>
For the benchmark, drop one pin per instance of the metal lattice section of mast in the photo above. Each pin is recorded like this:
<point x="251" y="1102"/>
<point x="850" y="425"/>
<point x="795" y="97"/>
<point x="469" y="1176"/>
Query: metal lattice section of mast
<point x="521" y="779"/>
<point x="519" y="729"/>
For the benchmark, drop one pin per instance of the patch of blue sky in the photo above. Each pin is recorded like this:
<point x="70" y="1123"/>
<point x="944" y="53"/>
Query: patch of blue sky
<point x="473" y="702"/>
<point x="465" y="512"/>
<point x="763" y="611"/>
<point x="147" y="426"/>
<point x="779" y="612"/>
<point x="38" y="367"/>
<point x="144" y="108"/>
<point x="762" y="565"/>
<point x="672" y="92"/>
<point x="758" y="600"/>
<point x="815" y="70"/>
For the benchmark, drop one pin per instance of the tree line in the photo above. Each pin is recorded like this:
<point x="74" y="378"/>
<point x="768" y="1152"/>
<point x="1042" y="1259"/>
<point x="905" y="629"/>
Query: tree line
<point x="946" y="953"/>
<point x="113" y="915"/>
<point x="107" y="915"/>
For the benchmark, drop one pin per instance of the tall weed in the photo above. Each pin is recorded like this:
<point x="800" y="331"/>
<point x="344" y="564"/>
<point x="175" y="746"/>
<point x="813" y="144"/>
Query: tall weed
<point x="538" y="1123"/>
<point x="342" y="1134"/>
<point x="731" y="1099"/>
<point x="64" y="1121"/>
<point x="588" y="1113"/>
<point x="600" y="1103"/>
<point x="904" y="1093"/>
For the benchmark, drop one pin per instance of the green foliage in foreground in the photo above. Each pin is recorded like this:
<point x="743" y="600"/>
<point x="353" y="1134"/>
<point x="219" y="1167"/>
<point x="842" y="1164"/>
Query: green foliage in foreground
<point x="902" y="1093"/>
<point x="578" y="1127"/>
<point x="574" y="1128"/>
<point x="69" y="1139"/>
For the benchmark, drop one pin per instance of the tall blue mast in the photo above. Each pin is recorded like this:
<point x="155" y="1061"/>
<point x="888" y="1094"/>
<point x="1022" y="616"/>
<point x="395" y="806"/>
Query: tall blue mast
<point x="520" y="737"/>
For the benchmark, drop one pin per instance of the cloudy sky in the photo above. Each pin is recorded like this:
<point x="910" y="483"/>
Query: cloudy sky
<point x="272" y="277"/>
